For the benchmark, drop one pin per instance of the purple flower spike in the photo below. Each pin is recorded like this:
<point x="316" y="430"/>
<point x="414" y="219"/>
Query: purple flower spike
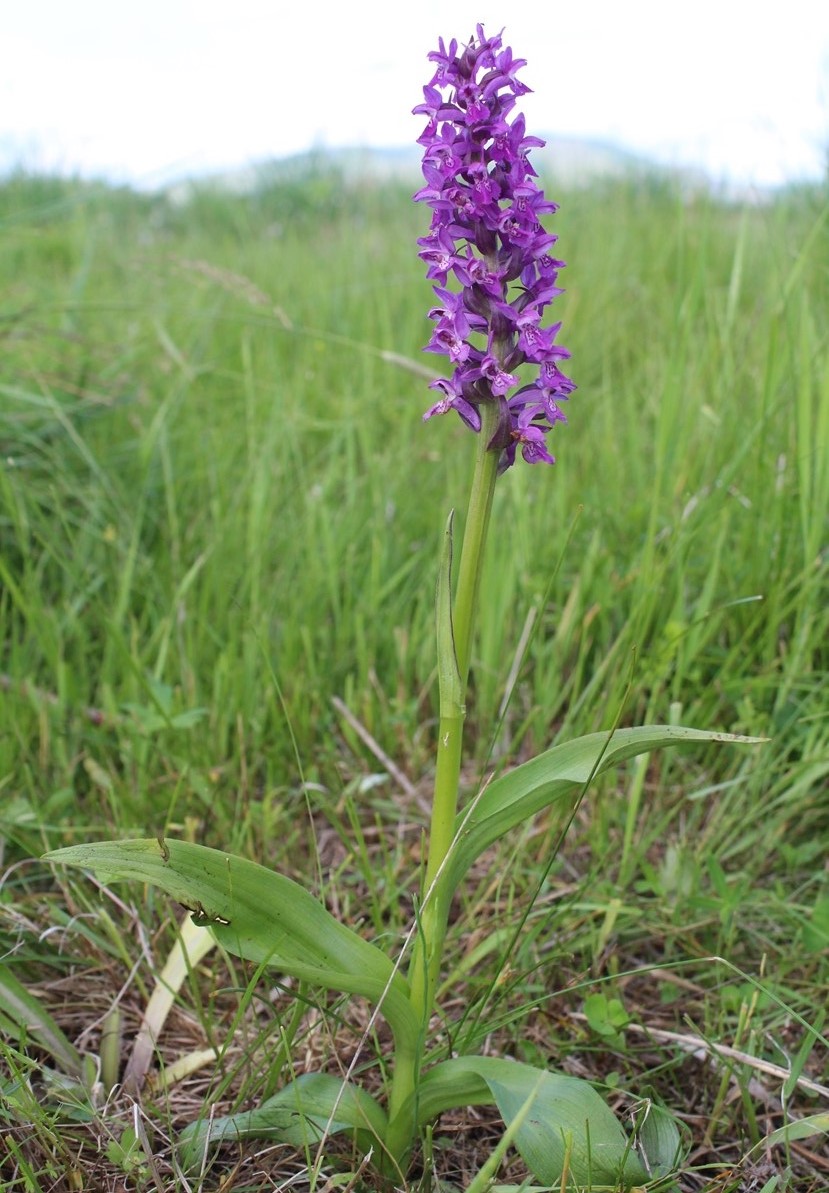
<point x="486" y="236"/>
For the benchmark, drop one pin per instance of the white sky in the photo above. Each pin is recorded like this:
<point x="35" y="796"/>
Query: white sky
<point x="148" y="90"/>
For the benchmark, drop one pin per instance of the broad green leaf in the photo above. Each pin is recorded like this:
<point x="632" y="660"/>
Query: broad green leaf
<point x="567" y="1126"/>
<point x="23" y="1014"/>
<point x="557" y="776"/>
<point x="482" y="1181"/>
<point x="256" y="914"/>
<point x="301" y="1114"/>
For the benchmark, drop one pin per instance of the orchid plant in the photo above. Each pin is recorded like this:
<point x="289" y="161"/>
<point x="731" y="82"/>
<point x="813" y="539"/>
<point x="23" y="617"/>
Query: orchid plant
<point x="490" y="262"/>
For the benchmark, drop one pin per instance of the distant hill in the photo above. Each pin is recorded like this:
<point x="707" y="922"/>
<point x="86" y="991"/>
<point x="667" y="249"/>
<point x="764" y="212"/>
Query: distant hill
<point x="568" y="160"/>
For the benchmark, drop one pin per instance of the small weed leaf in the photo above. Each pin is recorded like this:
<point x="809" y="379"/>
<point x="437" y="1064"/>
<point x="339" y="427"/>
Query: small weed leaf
<point x="606" y="1016"/>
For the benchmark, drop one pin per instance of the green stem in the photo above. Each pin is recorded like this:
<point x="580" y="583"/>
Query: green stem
<point x="427" y="953"/>
<point x="450" y="733"/>
<point x="474" y="540"/>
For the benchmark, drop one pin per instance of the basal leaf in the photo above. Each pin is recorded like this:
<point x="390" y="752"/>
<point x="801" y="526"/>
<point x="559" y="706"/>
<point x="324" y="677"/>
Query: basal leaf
<point x="256" y="914"/>
<point x="301" y="1114"/>
<point x="567" y="1127"/>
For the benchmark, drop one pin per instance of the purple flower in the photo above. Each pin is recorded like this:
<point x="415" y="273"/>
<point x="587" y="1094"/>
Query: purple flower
<point x="486" y="236"/>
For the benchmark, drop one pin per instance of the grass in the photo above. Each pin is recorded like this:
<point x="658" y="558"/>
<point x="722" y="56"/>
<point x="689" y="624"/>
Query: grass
<point x="219" y="514"/>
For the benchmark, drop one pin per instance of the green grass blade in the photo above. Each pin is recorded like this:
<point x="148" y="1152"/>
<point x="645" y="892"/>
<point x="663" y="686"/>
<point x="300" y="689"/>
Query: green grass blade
<point x="803" y="1128"/>
<point x="25" y="1014"/>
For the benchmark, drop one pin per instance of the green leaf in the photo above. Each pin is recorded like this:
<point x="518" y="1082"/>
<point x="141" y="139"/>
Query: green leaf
<point x="301" y="1114"/>
<point x="606" y="1015"/>
<point x="658" y="1140"/>
<point x="450" y="687"/>
<point x="23" y="1014"/>
<point x="567" y="1126"/>
<point x="558" y="776"/>
<point x="256" y="914"/>
<point x="815" y="933"/>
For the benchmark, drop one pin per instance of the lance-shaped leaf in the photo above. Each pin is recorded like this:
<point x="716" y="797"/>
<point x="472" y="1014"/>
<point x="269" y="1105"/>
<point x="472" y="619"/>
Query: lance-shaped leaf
<point x="556" y="777"/>
<point x="566" y="1126"/>
<point x="259" y="915"/>
<point x="304" y="1112"/>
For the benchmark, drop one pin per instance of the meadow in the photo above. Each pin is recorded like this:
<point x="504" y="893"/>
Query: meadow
<point x="220" y="515"/>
